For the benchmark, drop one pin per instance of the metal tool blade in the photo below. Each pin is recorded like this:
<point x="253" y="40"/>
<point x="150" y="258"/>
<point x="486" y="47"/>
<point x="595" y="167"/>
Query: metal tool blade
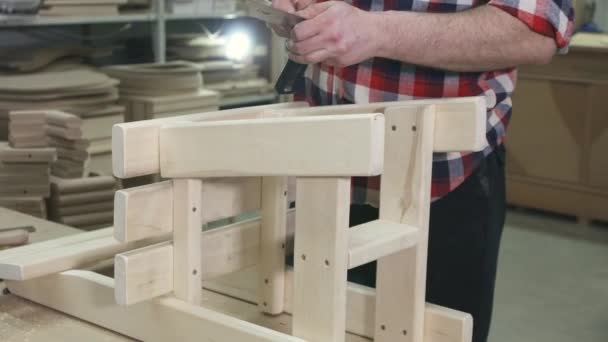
<point x="263" y="11"/>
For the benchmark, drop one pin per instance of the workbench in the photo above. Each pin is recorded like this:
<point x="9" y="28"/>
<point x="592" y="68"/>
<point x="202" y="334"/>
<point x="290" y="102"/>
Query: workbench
<point x="22" y="320"/>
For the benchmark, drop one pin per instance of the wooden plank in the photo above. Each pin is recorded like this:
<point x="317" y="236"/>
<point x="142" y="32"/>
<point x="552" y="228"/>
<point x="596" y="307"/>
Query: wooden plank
<point x="37" y="260"/>
<point x="320" y="258"/>
<point x="187" y="223"/>
<point x="228" y="197"/>
<point x="274" y="147"/>
<point x="143" y="212"/>
<point x="405" y="198"/>
<point x="272" y="242"/>
<point x="231" y="248"/>
<point x="84" y="198"/>
<point x="460" y="123"/>
<point x="33" y="155"/>
<point x="440" y="325"/>
<point x="91" y="298"/>
<point x="135" y="145"/>
<point x="143" y="274"/>
<point x="370" y="241"/>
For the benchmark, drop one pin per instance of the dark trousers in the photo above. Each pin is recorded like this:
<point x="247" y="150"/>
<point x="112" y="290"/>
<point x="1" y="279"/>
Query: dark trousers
<point x="464" y="239"/>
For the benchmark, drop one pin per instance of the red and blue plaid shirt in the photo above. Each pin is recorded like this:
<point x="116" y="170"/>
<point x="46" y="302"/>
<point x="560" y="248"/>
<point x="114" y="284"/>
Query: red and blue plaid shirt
<point x="379" y="80"/>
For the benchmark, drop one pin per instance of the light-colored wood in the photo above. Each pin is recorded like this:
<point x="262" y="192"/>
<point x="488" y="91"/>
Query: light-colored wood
<point x="68" y="186"/>
<point x="33" y="155"/>
<point x="320" y="258"/>
<point x="228" y="197"/>
<point x="81" y="209"/>
<point x="405" y="198"/>
<point x="143" y="274"/>
<point x="460" y="123"/>
<point x="14" y="237"/>
<point x="187" y="223"/>
<point x="231" y="248"/>
<point x="53" y="256"/>
<point x="274" y="147"/>
<point x="135" y="145"/>
<point x="370" y="241"/>
<point x="272" y="242"/>
<point x="84" y="198"/>
<point x="88" y="219"/>
<point x="91" y="298"/>
<point x="59" y="118"/>
<point x="143" y="212"/>
<point x="441" y="324"/>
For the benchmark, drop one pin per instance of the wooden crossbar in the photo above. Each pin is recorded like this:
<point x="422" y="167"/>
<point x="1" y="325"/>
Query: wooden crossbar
<point x="135" y="145"/>
<point x="340" y="145"/>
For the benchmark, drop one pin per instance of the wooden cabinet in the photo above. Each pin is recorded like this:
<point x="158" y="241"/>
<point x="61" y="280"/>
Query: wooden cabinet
<point x="558" y="139"/>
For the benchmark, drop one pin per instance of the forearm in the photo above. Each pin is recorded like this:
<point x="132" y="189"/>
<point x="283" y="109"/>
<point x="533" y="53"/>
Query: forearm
<point x="481" y="39"/>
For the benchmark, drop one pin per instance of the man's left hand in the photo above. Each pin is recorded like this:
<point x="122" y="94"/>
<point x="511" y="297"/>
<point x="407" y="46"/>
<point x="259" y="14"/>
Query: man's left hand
<point x="333" y="33"/>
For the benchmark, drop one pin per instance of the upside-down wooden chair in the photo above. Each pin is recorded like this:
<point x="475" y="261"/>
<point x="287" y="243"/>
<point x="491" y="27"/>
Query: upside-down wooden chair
<point x="230" y="162"/>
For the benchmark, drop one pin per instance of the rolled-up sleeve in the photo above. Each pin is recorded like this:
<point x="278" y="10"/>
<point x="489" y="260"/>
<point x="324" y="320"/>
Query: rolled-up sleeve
<point x="552" y="18"/>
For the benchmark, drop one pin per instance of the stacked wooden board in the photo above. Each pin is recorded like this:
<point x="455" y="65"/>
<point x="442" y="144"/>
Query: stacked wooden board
<point x="65" y="134"/>
<point x="79" y="7"/>
<point x="151" y="91"/>
<point x="85" y="203"/>
<point x="25" y="178"/>
<point x="75" y="89"/>
<point x="26" y="128"/>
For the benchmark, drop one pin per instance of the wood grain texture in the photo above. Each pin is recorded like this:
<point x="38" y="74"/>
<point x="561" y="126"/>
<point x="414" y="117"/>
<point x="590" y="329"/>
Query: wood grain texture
<point x="143" y="274"/>
<point x="272" y="244"/>
<point x="320" y="258"/>
<point x="460" y="123"/>
<point x="343" y="145"/>
<point x="405" y="198"/>
<point x="135" y="145"/>
<point x="441" y="324"/>
<point x="187" y="223"/>
<point x="370" y="241"/>
<point x="92" y="299"/>
<point x="143" y="212"/>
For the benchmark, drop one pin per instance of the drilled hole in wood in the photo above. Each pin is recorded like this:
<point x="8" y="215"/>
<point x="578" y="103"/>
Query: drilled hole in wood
<point x="414" y="128"/>
<point x="285" y="193"/>
<point x="404" y="332"/>
<point x="194" y="209"/>
<point x="383" y="327"/>
<point x="326" y="262"/>
<point x="304" y="257"/>
<point x="194" y="272"/>
<point x="266" y="281"/>
<point x="29" y="156"/>
<point x="283" y="246"/>
<point x="394" y="128"/>
<point x="265" y="304"/>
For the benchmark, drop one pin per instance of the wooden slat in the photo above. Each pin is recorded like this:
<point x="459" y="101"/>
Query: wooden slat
<point x="274" y="147"/>
<point x="405" y="198"/>
<point x="273" y="235"/>
<point x="441" y="324"/>
<point x="143" y="274"/>
<point x="135" y="145"/>
<point x="143" y="212"/>
<point x="460" y="123"/>
<point x="320" y="258"/>
<point x="187" y="223"/>
<point x="37" y="260"/>
<point x="370" y="241"/>
<point x="90" y="297"/>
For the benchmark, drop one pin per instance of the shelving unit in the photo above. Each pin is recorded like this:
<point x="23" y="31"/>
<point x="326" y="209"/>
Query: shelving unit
<point x="157" y="15"/>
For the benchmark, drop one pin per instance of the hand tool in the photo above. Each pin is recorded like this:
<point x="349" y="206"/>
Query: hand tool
<point x="293" y="71"/>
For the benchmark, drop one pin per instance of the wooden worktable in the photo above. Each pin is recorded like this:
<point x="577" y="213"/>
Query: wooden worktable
<point x="22" y="320"/>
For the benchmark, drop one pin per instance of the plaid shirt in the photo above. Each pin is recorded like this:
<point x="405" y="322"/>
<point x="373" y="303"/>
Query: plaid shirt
<point x="379" y="80"/>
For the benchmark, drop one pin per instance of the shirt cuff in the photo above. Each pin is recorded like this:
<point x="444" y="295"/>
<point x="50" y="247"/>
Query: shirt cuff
<point x="551" y="18"/>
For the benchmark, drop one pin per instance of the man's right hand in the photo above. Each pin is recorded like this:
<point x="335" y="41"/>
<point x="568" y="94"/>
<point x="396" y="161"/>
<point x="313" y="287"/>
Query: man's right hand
<point x="289" y="6"/>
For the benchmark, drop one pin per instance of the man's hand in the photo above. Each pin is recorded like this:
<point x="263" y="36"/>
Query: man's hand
<point x="289" y="6"/>
<point x="334" y="33"/>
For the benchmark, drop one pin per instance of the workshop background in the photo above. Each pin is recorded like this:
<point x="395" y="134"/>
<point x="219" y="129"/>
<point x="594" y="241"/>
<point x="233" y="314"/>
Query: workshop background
<point x="553" y="273"/>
